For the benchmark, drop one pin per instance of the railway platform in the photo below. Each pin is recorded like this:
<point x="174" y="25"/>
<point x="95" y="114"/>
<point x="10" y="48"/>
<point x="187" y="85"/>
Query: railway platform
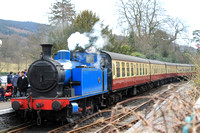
<point x="5" y="107"/>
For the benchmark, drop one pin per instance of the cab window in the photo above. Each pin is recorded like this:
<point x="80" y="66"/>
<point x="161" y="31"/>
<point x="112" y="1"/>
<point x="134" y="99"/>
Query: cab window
<point x="90" y="59"/>
<point x="103" y="62"/>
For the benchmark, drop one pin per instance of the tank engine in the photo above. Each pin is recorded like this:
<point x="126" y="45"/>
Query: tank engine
<point x="64" y="84"/>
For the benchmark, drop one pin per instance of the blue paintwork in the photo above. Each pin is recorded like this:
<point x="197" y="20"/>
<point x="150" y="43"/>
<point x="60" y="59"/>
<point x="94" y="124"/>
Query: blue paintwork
<point x="84" y="96"/>
<point x="62" y="55"/>
<point x="82" y="57"/>
<point x="90" y="78"/>
<point x="74" y="107"/>
<point x="68" y="75"/>
<point x="105" y="79"/>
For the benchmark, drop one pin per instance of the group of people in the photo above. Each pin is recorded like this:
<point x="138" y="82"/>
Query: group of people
<point x="18" y="83"/>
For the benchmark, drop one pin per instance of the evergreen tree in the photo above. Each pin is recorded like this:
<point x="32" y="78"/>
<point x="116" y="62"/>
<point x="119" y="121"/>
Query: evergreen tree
<point x="84" y="21"/>
<point x="62" y="13"/>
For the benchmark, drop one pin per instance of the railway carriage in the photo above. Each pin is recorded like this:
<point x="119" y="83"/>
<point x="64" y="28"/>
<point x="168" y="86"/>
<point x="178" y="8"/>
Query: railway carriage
<point x="171" y="70"/>
<point x="76" y="83"/>
<point x="158" y="70"/>
<point x="128" y="70"/>
<point x="185" y="70"/>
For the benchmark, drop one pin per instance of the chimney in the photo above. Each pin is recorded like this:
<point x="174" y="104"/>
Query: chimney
<point x="46" y="50"/>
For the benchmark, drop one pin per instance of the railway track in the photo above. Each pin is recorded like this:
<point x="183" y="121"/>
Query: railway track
<point x="116" y="119"/>
<point x="18" y="128"/>
<point x="104" y="125"/>
<point x="120" y="118"/>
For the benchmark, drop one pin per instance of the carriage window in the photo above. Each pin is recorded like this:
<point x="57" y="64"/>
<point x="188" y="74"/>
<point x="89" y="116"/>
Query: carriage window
<point x="113" y="68"/>
<point x="146" y="69"/>
<point x="127" y="69"/>
<point x="137" y="69"/>
<point x="140" y="69"/>
<point x="143" y="69"/>
<point x="155" y="70"/>
<point x="90" y="59"/>
<point x="118" y="69"/>
<point x="132" y="74"/>
<point x="123" y="69"/>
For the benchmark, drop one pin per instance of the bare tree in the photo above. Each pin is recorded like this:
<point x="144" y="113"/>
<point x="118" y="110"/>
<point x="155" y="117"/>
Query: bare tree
<point x="151" y="31"/>
<point x="142" y="16"/>
<point x="196" y="37"/>
<point x="174" y="27"/>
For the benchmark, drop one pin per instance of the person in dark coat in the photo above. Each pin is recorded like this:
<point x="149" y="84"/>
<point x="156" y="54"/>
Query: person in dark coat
<point x="14" y="83"/>
<point x="26" y="71"/>
<point x="2" y="93"/>
<point x="0" y="81"/>
<point x="9" y="77"/>
<point x="22" y="84"/>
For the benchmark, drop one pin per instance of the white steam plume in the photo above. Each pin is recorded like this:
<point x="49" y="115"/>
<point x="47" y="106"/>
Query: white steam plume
<point x="77" y="39"/>
<point x="83" y="40"/>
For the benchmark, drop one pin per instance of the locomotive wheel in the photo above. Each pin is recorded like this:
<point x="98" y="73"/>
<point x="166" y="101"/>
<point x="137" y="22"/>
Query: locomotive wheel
<point x="91" y="110"/>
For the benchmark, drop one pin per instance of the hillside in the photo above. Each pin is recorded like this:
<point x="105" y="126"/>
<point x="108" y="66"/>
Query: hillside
<point x="10" y="27"/>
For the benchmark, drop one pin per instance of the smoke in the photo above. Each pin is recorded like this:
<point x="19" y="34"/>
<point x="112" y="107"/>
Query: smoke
<point x="77" y="39"/>
<point x="98" y="62"/>
<point x="94" y="39"/>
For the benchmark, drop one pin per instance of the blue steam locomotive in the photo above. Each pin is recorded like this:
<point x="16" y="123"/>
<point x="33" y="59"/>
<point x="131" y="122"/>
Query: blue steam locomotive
<point x="67" y="84"/>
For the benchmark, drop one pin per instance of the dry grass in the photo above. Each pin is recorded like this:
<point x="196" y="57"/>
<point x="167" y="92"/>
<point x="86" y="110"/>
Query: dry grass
<point x="168" y="114"/>
<point x="169" y="111"/>
<point x="7" y="67"/>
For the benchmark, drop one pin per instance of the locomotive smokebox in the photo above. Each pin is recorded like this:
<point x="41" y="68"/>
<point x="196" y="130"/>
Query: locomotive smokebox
<point x="46" y="50"/>
<point x="46" y="76"/>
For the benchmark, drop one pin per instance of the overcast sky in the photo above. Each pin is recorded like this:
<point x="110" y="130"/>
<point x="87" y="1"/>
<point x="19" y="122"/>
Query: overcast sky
<point x="37" y="10"/>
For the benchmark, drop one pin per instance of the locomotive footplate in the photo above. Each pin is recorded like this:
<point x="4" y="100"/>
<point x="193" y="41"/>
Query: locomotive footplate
<point x="33" y="103"/>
